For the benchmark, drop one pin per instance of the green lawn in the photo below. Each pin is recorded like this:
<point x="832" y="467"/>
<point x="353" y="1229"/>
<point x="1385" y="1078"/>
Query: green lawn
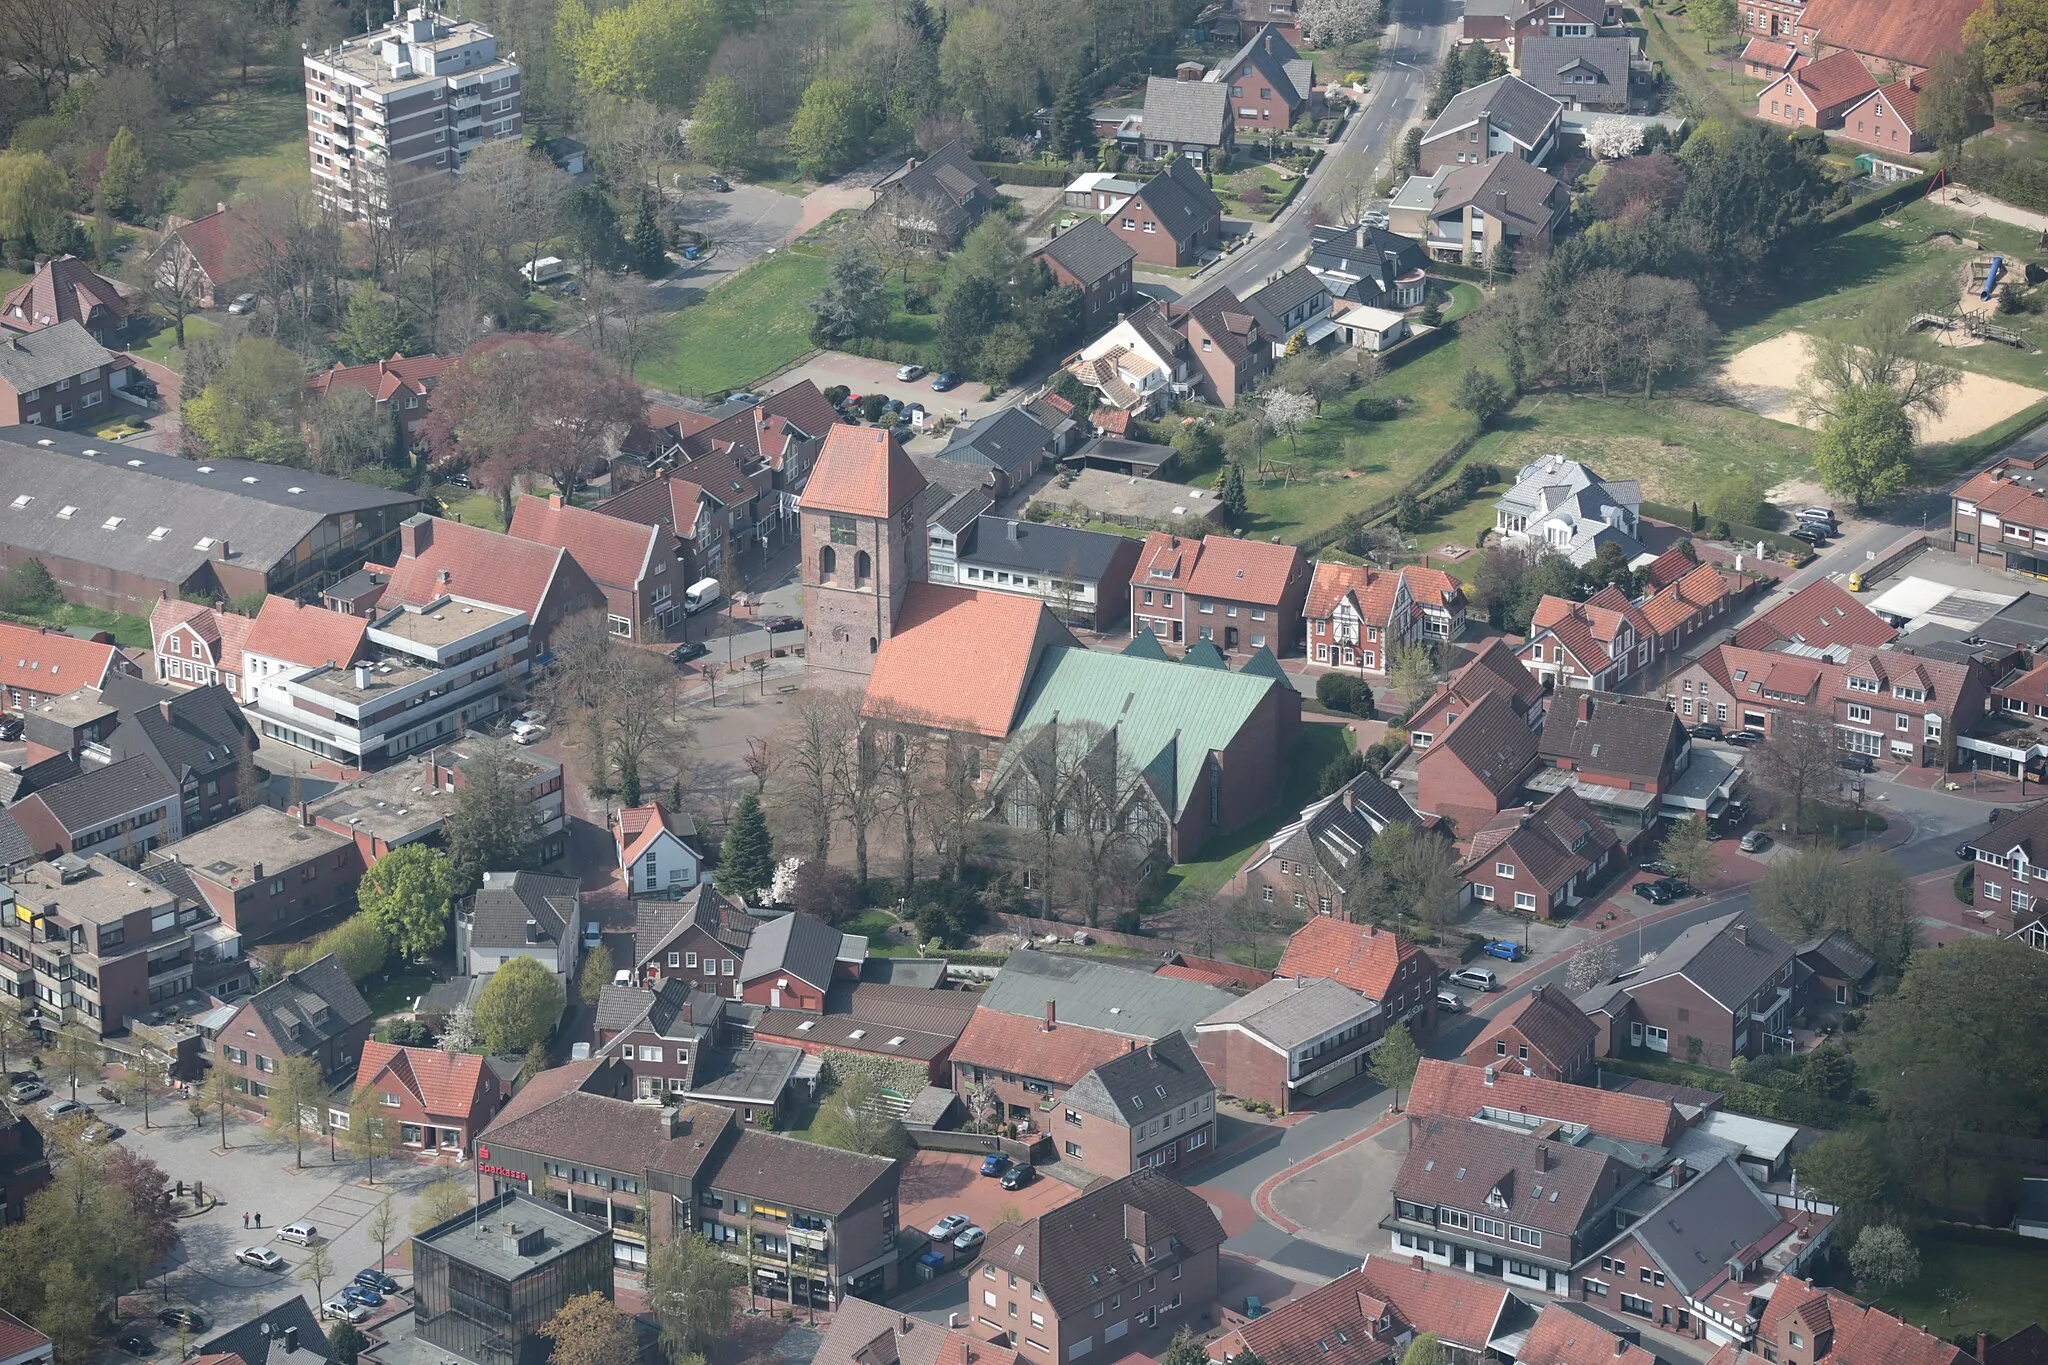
<point x="242" y="142"/>
<point x="874" y="926"/>
<point x="2005" y="1276"/>
<point x="130" y="632"/>
<point x="1272" y="181"/>
<point x="751" y="325"/>
<point x="397" y="994"/>
<point x="1690" y="68"/>
<point x="163" y="348"/>
<point x="1313" y="750"/>
<point x="1464" y="298"/>
<point x="470" y="506"/>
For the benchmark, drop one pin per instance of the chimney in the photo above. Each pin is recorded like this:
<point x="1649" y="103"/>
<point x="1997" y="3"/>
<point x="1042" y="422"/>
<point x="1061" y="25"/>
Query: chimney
<point x="255" y="872"/>
<point x="164" y="708"/>
<point x="1415" y="1261"/>
<point x="555" y="499"/>
<point x="415" y="534"/>
<point x="291" y="1339"/>
<point x="1049" y="1016"/>
<point x="1542" y="1156"/>
<point x="223" y="550"/>
<point x="1014" y="534"/>
<point x="1742" y="933"/>
<point x="679" y="1123"/>
<point x="1584" y="706"/>
<point x="1620" y="1347"/>
<point x="1130" y="1045"/>
<point x="443" y="576"/>
<point x="905" y="1327"/>
<point x="532" y="930"/>
<point x="362" y="677"/>
<point x="1983" y="1345"/>
<point x="1489" y="1076"/>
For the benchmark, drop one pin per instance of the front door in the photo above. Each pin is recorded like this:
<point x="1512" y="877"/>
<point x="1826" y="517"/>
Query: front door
<point x="1230" y="637"/>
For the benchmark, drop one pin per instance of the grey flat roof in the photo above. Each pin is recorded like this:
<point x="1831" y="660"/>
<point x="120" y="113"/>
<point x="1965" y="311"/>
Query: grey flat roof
<point x="462" y="1239"/>
<point x="756" y="1073"/>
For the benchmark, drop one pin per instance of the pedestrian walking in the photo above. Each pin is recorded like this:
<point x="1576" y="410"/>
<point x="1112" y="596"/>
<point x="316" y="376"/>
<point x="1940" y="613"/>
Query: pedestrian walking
<point x="259" y="1220"/>
<point x="245" y="1220"/>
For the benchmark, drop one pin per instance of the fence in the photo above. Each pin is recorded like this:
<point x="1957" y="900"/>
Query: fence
<point x="953" y="1140"/>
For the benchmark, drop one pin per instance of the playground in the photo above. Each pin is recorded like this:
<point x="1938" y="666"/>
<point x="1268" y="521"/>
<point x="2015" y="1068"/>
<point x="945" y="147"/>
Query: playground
<point x="1765" y="377"/>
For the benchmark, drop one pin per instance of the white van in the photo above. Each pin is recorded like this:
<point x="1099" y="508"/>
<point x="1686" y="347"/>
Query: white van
<point x="298" y="1234"/>
<point x="544" y="271"/>
<point x="705" y="592"/>
<point x="1474" y="978"/>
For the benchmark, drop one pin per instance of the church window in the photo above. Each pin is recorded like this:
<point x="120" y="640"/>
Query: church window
<point x="863" y="568"/>
<point x="828" y="563"/>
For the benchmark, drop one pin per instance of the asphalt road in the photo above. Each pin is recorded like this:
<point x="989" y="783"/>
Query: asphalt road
<point x="1418" y="31"/>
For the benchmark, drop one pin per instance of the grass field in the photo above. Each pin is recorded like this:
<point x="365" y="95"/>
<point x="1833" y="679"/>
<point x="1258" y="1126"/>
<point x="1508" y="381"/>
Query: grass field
<point x="470" y="506"/>
<point x="242" y="142"/>
<point x="1690" y="68"/>
<point x="1313" y="750"/>
<point x="742" y="330"/>
<point x="2005" y="1276"/>
<point x="163" y="348"/>
<point x="130" y="632"/>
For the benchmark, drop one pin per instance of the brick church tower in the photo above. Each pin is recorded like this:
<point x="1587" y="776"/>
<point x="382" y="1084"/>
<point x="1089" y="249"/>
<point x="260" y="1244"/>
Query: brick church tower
<point x="863" y="538"/>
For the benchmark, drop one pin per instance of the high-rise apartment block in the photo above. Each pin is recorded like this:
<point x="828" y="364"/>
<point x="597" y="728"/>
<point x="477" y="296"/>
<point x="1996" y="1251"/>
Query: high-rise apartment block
<point x="391" y="115"/>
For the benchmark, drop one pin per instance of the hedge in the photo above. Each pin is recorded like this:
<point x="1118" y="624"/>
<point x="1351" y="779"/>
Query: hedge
<point x="1742" y="1097"/>
<point x="1869" y="210"/>
<point x="1682" y="516"/>
<point x="1386" y="506"/>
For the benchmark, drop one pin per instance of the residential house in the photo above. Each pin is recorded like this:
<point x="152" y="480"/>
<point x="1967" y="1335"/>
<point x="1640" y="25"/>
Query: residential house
<point x="1906" y="44"/>
<point x="656" y="441"/>
<point x="1137" y="366"/>
<point x="1820" y="621"/>
<point x="200" y="646"/>
<point x="24" y="1169"/>
<point x="863" y="1333"/>
<point x="399" y="389"/>
<point x="1541" y="860"/>
<point x="1474" y="769"/>
<point x="203" y="259"/>
<point x="266" y="874"/>
<point x="939" y="197"/>
<point x="1371" y="1314"/>
<point x="1804" y="1324"/>
<point x="625" y="559"/>
<point x="1271" y="85"/>
<point x="21" y="1344"/>
<point x="2000" y="518"/>
<point x="1684" y="607"/>
<point x="793" y="960"/>
<point x="89" y="944"/>
<point x="1469" y="213"/>
<point x="1226" y="344"/>
<point x="815" y="1225"/>
<point x="1722" y="989"/>
<point x="1583" y="75"/>
<point x="2024" y="1347"/>
<point x="1632" y="763"/>
<point x="1151" y="1106"/>
<point x="1188" y="119"/>
<point x="1297" y="303"/>
<point x="1563" y="1335"/>
<point x="66" y="289"/>
<point x="1249" y="16"/>
<point x="1506" y="116"/>
<point x="1834" y="970"/>
<point x="1542" y="1034"/>
<point x="1888" y="119"/>
<point x="1387" y="969"/>
<point x="1091" y="258"/>
<point x="1766" y="59"/>
<point x="1369" y="265"/>
<point x="1175" y="218"/>
<point x="1593" y="645"/>
<point x="314" y="1012"/>
<point x="1098" y="191"/>
<point x="655" y="852"/>
<point x="441" y="560"/>
<point x="1082" y="576"/>
<point x="1492" y="668"/>
<point x="126" y="807"/>
<point x="1142" y="1249"/>
<point x="438" y="1101"/>
<point x="1563" y="505"/>
<point x="1509" y="23"/>
<point x="1008" y="446"/>
<point x="289" y="1334"/>
<point x="1816" y="94"/>
<point x="699" y="529"/>
<point x="520" y="914"/>
<point x="755" y="463"/>
<point x="1236" y="594"/>
<point x="2009" y="860"/>
<point x="1448" y="1089"/>
<point x="1367" y="327"/>
<point x="661" y="1035"/>
<point x="38" y="664"/>
<point x="1290" y="1041"/>
<point x="1320" y="855"/>
<point x="888" y="1024"/>
<point x="699" y="939"/>
<point x="56" y="376"/>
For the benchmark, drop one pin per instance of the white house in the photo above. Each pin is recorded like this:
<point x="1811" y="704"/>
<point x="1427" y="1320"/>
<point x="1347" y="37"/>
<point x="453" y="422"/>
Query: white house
<point x="1360" y="324"/>
<point x="520" y="914"/>
<point x="655" y="853"/>
<point x="1137" y="364"/>
<point x="1562" y="505"/>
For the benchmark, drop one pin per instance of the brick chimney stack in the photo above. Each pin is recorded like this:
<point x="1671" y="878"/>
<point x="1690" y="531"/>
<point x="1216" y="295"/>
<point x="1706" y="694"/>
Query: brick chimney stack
<point x="415" y="534"/>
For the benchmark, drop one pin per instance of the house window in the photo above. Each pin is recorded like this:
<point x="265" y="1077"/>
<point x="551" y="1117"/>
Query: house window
<point x="1525" y="900"/>
<point x="1505" y="871"/>
<point x="1482" y="891"/>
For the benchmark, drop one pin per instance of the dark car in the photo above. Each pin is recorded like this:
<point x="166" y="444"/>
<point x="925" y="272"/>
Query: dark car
<point x="1656" y="865"/>
<point x="1017" y="1177"/>
<point x="946" y="380"/>
<point x="719" y="183"/>
<point x="136" y="1344"/>
<point x="1966" y="853"/>
<point x="377" y="1280"/>
<point x="1708" y="730"/>
<point x="683" y="653"/>
<point x="779" y="625"/>
<point x="1812" y="536"/>
<point x="190" y="1318"/>
<point x="1676" y="889"/>
<point x="362" y="1294"/>
<point x="1855" y="763"/>
<point x="995" y="1163"/>
<point x="1654" y="893"/>
<point x="1742" y="739"/>
<point x="10" y="728"/>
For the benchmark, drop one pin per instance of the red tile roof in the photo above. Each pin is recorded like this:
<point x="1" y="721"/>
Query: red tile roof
<point x="1459" y="1309"/>
<point x="1562" y="1337"/>
<point x="1433" y="586"/>
<point x="64" y="290"/>
<point x="49" y="661"/>
<point x="307" y="636"/>
<point x="1820" y="615"/>
<point x="1776" y="56"/>
<point x="1835" y="79"/>
<point x="962" y="658"/>
<point x="1862" y="1336"/>
<point x="1453" y="1090"/>
<point x="1011" y="1042"/>
<point x="862" y="472"/>
<point x="1884" y="29"/>
<point x="1371" y="590"/>
<point x="1355" y="955"/>
<point x="1674" y="564"/>
<point x="217" y="242"/>
<point x="1572" y="626"/>
<point x="1111" y="421"/>
<point x="383" y="380"/>
<point x="486" y="566"/>
<point x="1340" y="1323"/>
<point x="639" y="827"/>
<point x="1554" y="1026"/>
<point x="447" y="1084"/>
<point x="613" y="551"/>
<point x="1491" y="740"/>
<point x="18" y="1338"/>
<point x="1246" y="570"/>
<point x="1214" y="971"/>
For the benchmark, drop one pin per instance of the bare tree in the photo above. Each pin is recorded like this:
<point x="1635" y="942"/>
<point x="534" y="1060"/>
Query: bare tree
<point x="1797" y="760"/>
<point x="177" y="282"/>
<point x="859" y="783"/>
<point x="913" y="754"/>
<point x="801" y="777"/>
<point x="1874" y="350"/>
<point x="1087" y="812"/>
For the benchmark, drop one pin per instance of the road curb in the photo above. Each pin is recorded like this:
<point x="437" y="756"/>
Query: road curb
<point x="1262" y="1203"/>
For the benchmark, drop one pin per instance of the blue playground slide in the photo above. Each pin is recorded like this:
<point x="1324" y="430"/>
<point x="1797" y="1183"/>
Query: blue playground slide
<point x="1991" y="280"/>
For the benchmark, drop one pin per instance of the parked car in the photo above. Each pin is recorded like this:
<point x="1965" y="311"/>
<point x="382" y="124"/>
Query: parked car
<point x="1756" y="841"/>
<point x="948" y="1227"/>
<point x="526" y="732"/>
<point x="1855" y="763"/>
<point x="242" y="304"/>
<point x="1808" y="533"/>
<point x="60" y="1108"/>
<point x="183" y="1317"/>
<point x="910" y="372"/>
<point x="1505" y="948"/>
<point x="946" y="380"/>
<point x="969" y="1239"/>
<point x="1450" y="1002"/>
<point x="346" y="1309"/>
<point x="362" y="1294"/>
<point x="743" y="396"/>
<point x="1020" y="1175"/>
<point x="1743" y="739"/>
<point x="1705" y="730"/>
<point x="10" y="728"/>
<point x="1676" y="889"/>
<point x="1826" y="528"/>
<point x="1826" y="514"/>
<point x="460" y="479"/>
<point x="995" y="1163"/>
<point x="136" y="1344"/>
<point x="1474" y="978"/>
<point x="102" y="1132"/>
<point x="719" y="183"/>
<point x="683" y="653"/>
<point x="1656" y="865"/>
<point x="781" y="625"/>
<point x="378" y="1280"/>
<point x="1654" y="893"/>
<point x="26" y="1092"/>
<point x="263" y="1258"/>
<point x="1966" y="853"/>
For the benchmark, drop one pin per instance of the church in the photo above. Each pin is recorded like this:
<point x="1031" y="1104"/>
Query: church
<point x="1182" y="749"/>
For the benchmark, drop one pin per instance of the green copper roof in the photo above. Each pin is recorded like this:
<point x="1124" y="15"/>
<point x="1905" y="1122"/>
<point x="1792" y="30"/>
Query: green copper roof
<point x="1204" y="654"/>
<point x="1262" y="664"/>
<point x="1144" y="645"/>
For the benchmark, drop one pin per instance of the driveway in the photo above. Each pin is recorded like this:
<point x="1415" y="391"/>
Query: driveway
<point x="742" y="226"/>
<point x="862" y="375"/>
<point x="938" y="1183"/>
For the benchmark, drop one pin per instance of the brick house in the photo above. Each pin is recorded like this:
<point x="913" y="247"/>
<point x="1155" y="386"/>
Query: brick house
<point x="939" y="197"/>
<point x="314" y="1012"/>
<point x="793" y="960"/>
<point x="1905" y="42"/>
<point x="885" y="1040"/>
<point x="204" y="258"/>
<point x="66" y="289"/>
<point x="1820" y="619"/>
<point x="1096" y="261"/>
<point x="1360" y="617"/>
<point x="1474" y="768"/>
<point x="1816" y="94"/>
<point x="1541" y="860"/>
<point x="1685" y="606"/>
<point x="1317" y="858"/>
<point x="438" y="559"/>
<point x="1804" y="1324"/>
<point x="1030" y="1064"/>
<point x="1371" y="1314"/>
<point x="1503" y="115"/>
<point x="757" y="462"/>
<point x="437" y="1101"/>
<point x="520" y="914"/>
<point x="1173" y="218"/>
<point x="1138" y="1252"/>
<point x="1726" y="984"/>
<point x="1492" y="668"/>
<point x="398" y="388"/>
<point x="659" y="1035"/>
<point x="863" y="1333"/>
<point x="2011" y="858"/>
<point x="1543" y="1034"/>
<point x="24" y="1169"/>
<point x="1387" y="969"/>
<point x="265" y="873"/>
<point x="1237" y="594"/>
<point x="699" y="939"/>
<point x="1888" y="119"/>
<point x="2000" y="518"/>
<point x="37" y="664"/>
<point x="1228" y="346"/>
<point x="1449" y="1089"/>
<point x="1290" y="1041"/>
<point x="643" y="597"/>
<point x="1592" y="644"/>
<point x="1271" y="85"/>
<point x="1509" y="21"/>
<point x="700" y="528"/>
<point x="1764" y="58"/>
<point x="125" y="808"/>
<point x="654" y="850"/>
<point x="1616" y="744"/>
<point x="57" y="375"/>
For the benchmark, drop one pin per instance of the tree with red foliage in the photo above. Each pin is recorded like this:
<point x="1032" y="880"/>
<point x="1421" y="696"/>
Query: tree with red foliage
<point x="526" y="405"/>
<point x="1657" y="179"/>
<point x="143" y="1188"/>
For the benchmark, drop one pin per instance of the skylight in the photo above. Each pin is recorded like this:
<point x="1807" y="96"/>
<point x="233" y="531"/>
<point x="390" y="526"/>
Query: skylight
<point x="24" y="500"/>
<point x="112" y="523"/>
<point x="67" y="512"/>
<point x="204" y="544"/>
<point x="159" y="533"/>
<point x="249" y="478"/>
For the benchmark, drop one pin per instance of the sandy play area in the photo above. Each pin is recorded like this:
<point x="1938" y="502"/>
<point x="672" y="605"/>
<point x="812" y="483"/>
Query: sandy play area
<point x="1764" y="378"/>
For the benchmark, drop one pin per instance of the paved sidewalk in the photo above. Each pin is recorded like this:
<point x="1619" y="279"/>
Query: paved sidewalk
<point x="1968" y="201"/>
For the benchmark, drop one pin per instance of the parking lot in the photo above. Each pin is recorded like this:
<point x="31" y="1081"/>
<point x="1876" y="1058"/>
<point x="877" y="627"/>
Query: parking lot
<point x="862" y="375"/>
<point x="938" y="1183"/>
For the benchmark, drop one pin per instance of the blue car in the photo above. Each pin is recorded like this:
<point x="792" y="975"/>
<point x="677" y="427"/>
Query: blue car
<point x="995" y="1163"/>
<point x="362" y="1294"/>
<point x="946" y="380"/>
<point x="1503" y="948"/>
